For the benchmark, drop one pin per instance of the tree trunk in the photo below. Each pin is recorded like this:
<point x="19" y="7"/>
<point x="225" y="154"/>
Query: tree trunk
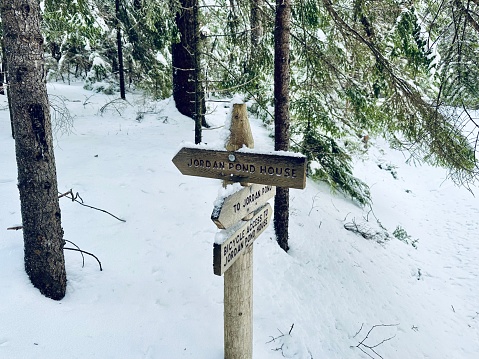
<point x="256" y="22"/>
<point x="281" y="112"/>
<point x="37" y="182"/>
<point x="120" y="51"/>
<point x="188" y="91"/>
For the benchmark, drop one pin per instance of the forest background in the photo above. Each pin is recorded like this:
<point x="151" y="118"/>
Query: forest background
<point x="405" y="70"/>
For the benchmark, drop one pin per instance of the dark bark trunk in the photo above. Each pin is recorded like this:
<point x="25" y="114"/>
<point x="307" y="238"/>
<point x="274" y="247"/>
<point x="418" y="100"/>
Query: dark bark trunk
<point x="281" y="112"/>
<point x="256" y="22"/>
<point x="120" y="51"/>
<point x="187" y="87"/>
<point x="37" y="182"/>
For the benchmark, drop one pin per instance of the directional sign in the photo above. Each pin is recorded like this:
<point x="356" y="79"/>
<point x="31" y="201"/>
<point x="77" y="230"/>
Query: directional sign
<point x="238" y="205"/>
<point x="272" y="169"/>
<point x="226" y="253"/>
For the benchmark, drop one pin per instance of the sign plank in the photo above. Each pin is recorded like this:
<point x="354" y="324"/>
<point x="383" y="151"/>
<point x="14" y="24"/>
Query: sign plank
<point x="272" y="169"/>
<point x="226" y="253"/>
<point x="237" y="206"/>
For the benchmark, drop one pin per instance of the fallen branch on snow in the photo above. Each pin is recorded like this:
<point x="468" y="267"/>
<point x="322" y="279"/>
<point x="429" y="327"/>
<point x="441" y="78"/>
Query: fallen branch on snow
<point x="362" y="345"/>
<point x="75" y="198"/>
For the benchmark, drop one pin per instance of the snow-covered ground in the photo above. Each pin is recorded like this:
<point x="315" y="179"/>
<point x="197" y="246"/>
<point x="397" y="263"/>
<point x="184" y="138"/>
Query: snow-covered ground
<point x="157" y="296"/>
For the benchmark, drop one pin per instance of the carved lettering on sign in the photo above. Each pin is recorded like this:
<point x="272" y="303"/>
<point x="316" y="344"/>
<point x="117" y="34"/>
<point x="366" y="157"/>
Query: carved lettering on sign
<point x="275" y="169"/>
<point x="238" y="205"/>
<point x="225" y="254"/>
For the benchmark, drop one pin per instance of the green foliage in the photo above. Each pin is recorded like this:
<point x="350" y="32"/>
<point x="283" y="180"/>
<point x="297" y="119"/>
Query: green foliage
<point x="148" y="29"/>
<point x="457" y="40"/>
<point x="401" y="234"/>
<point x="157" y="81"/>
<point x="408" y="43"/>
<point x="71" y="31"/>
<point x="333" y="166"/>
<point x="358" y="67"/>
<point x="81" y="37"/>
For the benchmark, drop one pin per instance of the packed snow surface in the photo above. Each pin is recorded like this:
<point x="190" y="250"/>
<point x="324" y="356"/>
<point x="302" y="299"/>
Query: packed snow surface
<point x="335" y="294"/>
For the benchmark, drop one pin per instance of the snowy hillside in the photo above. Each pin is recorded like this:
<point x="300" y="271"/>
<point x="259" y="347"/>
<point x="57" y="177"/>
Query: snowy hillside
<point x="411" y="295"/>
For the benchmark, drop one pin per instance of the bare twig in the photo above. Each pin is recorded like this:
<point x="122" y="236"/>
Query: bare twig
<point x="312" y="205"/>
<point x="117" y="104"/>
<point x="76" y="198"/>
<point x="334" y="205"/>
<point x="62" y="120"/>
<point x="291" y="329"/>
<point x="81" y="252"/>
<point x="86" y="102"/>
<point x="362" y="346"/>
<point x="280" y="348"/>
<point x="274" y="338"/>
<point x="64" y="194"/>
<point x="90" y="254"/>
<point x="16" y="228"/>
<point x="359" y="331"/>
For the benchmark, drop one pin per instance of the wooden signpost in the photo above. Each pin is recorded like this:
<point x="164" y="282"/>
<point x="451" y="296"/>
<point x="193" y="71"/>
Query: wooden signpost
<point x="226" y="252"/>
<point x="237" y="206"/>
<point x="263" y="168"/>
<point x="241" y="217"/>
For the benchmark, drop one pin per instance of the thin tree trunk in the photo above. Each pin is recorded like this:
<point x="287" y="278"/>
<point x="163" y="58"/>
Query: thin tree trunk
<point x="256" y="22"/>
<point x="37" y="182"/>
<point x="199" y="94"/>
<point x="121" y="69"/>
<point x="281" y="112"/>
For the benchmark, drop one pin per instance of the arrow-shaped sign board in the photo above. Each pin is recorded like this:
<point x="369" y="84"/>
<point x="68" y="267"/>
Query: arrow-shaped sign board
<point x="226" y="253"/>
<point x="237" y="206"/>
<point x="275" y="169"/>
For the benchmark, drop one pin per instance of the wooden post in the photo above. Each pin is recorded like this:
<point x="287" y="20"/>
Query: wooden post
<point x="233" y="256"/>
<point x="238" y="279"/>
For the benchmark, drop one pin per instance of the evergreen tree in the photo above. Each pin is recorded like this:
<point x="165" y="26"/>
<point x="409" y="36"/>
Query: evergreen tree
<point x="37" y="182"/>
<point x="358" y="69"/>
<point x="72" y="30"/>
